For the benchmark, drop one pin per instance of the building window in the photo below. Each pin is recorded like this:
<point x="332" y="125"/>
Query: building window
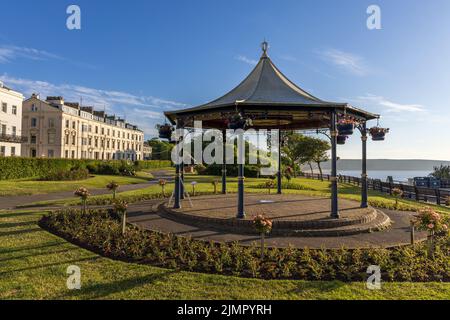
<point x="33" y="122"/>
<point x="2" y="151"/>
<point x="96" y="129"/>
<point x="74" y="124"/>
<point x="74" y="139"/>
<point x="13" y="151"/>
<point x="3" y="129"/>
<point x="51" y="153"/>
<point x="103" y="130"/>
<point x="96" y="143"/>
<point x="84" y="141"/>
<point x="67" y="123"/>
<point x="33" y="108"/>
<point x="33" y="139"/>
<point x="90" y="141"/>
<point x="51" y="123"/>
<point x="67" y="139"/>
<point x="14" y="110"/>
<point x="51" y="138"/>
<point x="66" y="154"/>
<point x="4" y="107"/>
<point x="73" y="154"/>
<point x="14" y="131"/>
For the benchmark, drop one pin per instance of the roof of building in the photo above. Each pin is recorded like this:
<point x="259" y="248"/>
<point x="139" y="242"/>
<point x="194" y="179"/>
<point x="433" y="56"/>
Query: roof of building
<point x="267" y="86"/>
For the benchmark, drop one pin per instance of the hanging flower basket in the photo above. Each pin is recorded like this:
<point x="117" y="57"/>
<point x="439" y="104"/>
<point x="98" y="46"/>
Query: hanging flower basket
<point x="237" y="121"/>
<point x="345" y="127"/>
<point x="377" y="133"/>
<point x="341" y="139"/>
<point x="165" y="131"/>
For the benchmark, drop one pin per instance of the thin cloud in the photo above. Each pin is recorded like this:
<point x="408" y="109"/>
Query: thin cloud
<point x="349" y="62"/>
<point x="390" y="106"/>
<point x="246" y="60"/>
<point x="141" y="110"/>
<point x="10" y="53"/>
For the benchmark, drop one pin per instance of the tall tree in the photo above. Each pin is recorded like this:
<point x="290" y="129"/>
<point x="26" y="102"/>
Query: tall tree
<point x="320" y="153"/>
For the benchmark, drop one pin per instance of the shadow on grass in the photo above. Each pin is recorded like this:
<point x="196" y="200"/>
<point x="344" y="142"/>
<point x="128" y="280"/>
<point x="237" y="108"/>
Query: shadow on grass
<point x="16" y="224"/>
<point x="53" y="244"/>
<point x="49" y="265"/>
<point x="317" y="286"/>
<point x="97" y="291"/>
<point x="17" y="232"/>
<point x="39" y="254"/>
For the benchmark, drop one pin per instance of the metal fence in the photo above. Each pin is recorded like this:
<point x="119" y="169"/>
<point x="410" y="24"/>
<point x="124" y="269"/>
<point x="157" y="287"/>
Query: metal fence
<point x="438" y="196"/>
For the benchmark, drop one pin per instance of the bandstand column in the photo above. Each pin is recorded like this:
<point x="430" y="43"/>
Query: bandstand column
<point x="364" y="166"/>
<point x="177" y="202"/>
<point x="279" y="164"/>
<point x="241" y="161"/>
<point x="333" y="178"/>
<point x="224" y="165"/>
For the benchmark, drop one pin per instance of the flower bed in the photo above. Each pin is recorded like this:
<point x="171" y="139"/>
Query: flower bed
<point x="101" y="232"/>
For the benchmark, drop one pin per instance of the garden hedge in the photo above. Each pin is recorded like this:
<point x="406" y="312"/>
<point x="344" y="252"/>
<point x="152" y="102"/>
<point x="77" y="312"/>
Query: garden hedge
<point x="18" y="168"/>
<point x="101" y="232"/>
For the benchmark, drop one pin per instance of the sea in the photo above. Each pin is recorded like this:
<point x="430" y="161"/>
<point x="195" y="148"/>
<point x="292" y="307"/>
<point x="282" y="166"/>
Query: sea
<point x="398" y="175"/>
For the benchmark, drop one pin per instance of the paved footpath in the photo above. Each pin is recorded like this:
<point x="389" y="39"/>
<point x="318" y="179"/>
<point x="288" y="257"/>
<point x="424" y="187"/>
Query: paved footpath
<point x="11" y="202"/>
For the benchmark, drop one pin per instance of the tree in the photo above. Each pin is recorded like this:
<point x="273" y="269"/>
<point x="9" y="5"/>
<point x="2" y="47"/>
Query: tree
<point x="161" y="150"/>
<point x="299" y="149"/>
<point x="320" y="152"/>
<point x="442" y="172"/>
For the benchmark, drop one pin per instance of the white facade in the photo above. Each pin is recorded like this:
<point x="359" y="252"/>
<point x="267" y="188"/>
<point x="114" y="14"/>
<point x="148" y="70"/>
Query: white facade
<point x="10" y="121"/>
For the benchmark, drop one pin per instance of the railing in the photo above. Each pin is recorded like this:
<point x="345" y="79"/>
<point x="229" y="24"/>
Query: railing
<point x="438" y="196"/>
<point x="12" y="138"/>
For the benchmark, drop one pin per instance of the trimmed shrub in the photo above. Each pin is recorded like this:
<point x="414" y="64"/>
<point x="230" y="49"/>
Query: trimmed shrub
<point x="101" y="232"/>
<point x="38" y="168"/>
<point x="67" y="175"/>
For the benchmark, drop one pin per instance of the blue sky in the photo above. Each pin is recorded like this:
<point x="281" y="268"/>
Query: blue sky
<point x="139" y="58"/>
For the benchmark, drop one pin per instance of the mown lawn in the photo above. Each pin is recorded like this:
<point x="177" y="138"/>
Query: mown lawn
<point x="29" y="187"/>
<point x="313" y="188"/>
<point x="33" y="265"/>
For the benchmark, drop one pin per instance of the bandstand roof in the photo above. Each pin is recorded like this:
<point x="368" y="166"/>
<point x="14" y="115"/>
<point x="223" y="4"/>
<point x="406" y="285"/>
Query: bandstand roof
<point x="271" y="100"/>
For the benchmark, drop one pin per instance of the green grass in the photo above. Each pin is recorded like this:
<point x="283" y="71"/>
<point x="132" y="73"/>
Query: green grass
<point x="315" y="188"/>
<point x="29" y="187"/>
<point x="33" y="265"/>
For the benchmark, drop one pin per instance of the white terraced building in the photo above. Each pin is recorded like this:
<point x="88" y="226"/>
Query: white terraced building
<point x="10" y="121"/>
<point x="59" y="129"/>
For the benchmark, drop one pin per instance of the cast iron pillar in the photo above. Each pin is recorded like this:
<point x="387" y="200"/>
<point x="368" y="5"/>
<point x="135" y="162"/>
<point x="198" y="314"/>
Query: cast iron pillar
<point x="279" y="164"/>
<point x="333" y="178"/>
<point x="177" y="192"/>
<point x="241" y="161"/>
<point x="182" y="181"/>
<point x="364" y="166"/>
<point x="177" y="202"/>
<point x="224" y="165"/>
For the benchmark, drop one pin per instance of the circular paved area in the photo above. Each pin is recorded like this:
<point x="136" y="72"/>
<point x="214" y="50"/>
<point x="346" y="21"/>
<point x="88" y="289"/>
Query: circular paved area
<point x="273" y="206"/>
<point x="146" y="215"/>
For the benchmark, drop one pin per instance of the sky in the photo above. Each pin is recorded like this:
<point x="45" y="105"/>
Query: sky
<point x="139" y="58"/>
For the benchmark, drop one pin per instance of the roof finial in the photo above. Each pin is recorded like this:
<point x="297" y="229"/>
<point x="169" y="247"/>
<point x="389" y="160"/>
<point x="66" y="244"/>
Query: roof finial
<point x="264" y="47"/>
